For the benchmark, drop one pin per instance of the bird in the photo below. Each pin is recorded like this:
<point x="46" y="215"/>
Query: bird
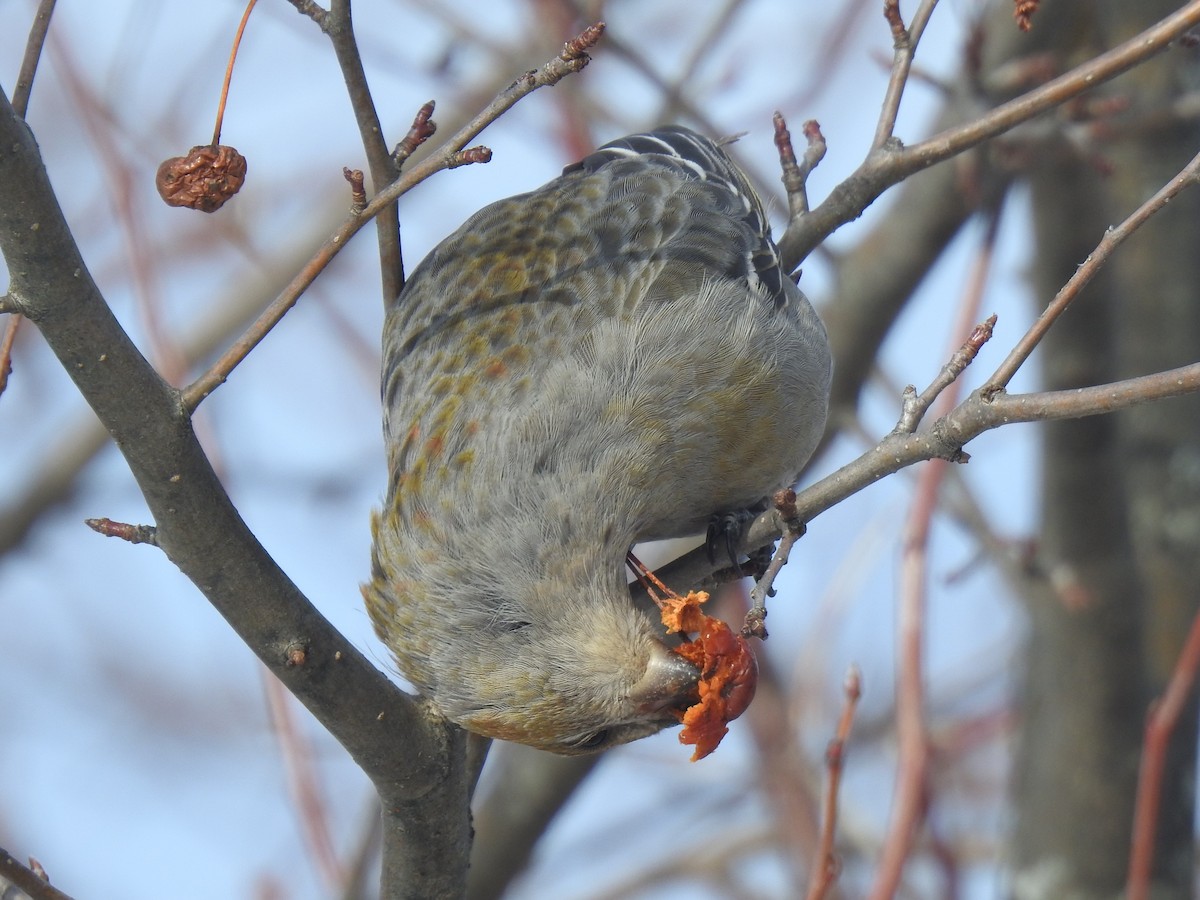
<point x="615" y="357"/>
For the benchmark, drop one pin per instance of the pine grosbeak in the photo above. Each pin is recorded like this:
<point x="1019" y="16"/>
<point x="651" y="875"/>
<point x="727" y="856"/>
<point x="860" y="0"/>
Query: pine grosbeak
<point x="613" y="358"/>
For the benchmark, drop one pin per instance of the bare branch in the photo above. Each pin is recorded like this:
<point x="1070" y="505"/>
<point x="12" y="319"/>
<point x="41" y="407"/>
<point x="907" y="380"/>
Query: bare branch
<point x="233" y="51"/>
<point x="1160" y="724"/>
<point x="6" y="348"/>
<point x="905" y="41"/>
<point x="755" y="620"/>
<point x="944" y="440"/>
<point x="890" y="165"/>
<point x="421" y="774"/>
<point x="825" y="870"/>
<point x="572" y="59"/>
<point x="338" y="24"/>
<point x="1113" y="238"/>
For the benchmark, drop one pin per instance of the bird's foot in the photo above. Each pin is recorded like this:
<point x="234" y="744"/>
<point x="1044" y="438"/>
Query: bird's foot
<point x="725" y="533"/>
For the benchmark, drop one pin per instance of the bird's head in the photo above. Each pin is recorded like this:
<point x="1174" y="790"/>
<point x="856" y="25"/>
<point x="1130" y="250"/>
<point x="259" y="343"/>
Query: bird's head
<point x="574" y="687"/>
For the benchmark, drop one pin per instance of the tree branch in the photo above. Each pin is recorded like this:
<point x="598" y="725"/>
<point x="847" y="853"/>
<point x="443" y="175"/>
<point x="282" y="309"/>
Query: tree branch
<point x="945" y="439"/>
<point x="338" y="24"/>
<point x="572" y="59"/>
<point x="413" y="758"/>
<point x="1113" y="238"/>
<point x="887" y="166"/>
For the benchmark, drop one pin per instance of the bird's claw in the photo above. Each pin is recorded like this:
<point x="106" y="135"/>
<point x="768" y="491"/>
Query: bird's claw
<point x="725" y="533"/>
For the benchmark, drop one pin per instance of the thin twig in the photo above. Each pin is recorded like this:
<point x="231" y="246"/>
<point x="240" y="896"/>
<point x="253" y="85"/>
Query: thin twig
<point x="825" y="871"/>
<point x="1160" y="725"/>
<point x="1113" y="238"/>
<point x="905" y="41"/>
<point x="913" y="743"/>
<point x="912" y="779"/>
<point x="6" y="347"/>
<point x="33" y="54"/>
<point x="233" y="51"/>
<point x="755" y="620"/>
<point x="963" y="357"/>
<point x="572" y="59"/>
<point x="122" y="189"/>
<point x="338" y="24"/>
<point x="913" y="409"/>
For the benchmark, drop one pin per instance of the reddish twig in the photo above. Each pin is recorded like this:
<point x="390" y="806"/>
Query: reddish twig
<point x="301" y="780"/>
<point x="911" y="778"/>
<point x="891" y="14"/>
<point x="754" y="624"/>
<point x="237" y="41"/>
<point x="908" y="807"/>
<point x="1160" y="725"/>
<point x="6" y="347"/>
<point x="914" y="406"/>
<point x="826" y="869"/>
<point x="795" y="173"/>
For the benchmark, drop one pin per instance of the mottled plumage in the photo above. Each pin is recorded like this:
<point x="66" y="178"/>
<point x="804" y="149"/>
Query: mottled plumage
<point x="612" y="358"/>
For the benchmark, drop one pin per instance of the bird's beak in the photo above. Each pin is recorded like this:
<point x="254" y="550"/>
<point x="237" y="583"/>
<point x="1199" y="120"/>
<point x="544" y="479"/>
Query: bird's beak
<point x="670" y="682"/>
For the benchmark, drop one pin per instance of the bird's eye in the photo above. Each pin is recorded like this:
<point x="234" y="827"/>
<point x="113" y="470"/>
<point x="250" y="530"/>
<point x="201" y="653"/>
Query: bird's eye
<point x="593" y="741"/>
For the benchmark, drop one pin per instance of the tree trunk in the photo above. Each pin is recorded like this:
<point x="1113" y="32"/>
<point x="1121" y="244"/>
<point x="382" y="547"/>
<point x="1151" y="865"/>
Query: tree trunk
<point x="1121" y="495"/>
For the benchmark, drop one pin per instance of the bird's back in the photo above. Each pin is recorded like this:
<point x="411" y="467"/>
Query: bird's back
<point x="613" y="357"/>
<point x="628" y="317"/>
